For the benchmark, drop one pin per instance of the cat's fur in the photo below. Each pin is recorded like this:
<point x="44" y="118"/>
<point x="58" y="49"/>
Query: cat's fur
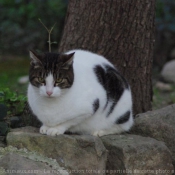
<point x="78" y="91"/>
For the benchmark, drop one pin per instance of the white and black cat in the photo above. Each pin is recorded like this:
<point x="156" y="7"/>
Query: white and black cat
<point x="80" y="92"/>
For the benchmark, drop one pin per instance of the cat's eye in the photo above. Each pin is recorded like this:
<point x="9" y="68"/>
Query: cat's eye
<point x="59" y="80"/>
<point x="41" y="80"/>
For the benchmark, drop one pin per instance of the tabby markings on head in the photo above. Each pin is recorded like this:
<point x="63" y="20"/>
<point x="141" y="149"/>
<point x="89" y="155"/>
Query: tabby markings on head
<point x="51" y="70"/>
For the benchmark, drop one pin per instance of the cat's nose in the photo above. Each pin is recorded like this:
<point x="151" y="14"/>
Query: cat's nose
<point x="49" y="93"/>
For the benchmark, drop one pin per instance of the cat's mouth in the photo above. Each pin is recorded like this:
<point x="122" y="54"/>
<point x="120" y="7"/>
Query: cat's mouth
<point x="49" y="96"/>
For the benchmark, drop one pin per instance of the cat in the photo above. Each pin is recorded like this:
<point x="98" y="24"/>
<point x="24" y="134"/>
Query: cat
<point x="80" y="92"/>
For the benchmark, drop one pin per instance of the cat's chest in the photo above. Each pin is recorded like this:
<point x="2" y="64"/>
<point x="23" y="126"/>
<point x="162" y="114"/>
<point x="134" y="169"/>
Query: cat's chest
<point x="62" y="105"/>
<point x="51" y="111"/>
<point x="52" y="106"/>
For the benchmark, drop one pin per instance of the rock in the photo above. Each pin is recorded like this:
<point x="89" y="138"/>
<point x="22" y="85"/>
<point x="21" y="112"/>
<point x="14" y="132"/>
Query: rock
<point x="132" y="154"/>
<point x="23" y="79"/>
<point x="172" y="54"/>
<point x="83" y="154"/>
<point x="168" y="71"/>
<point x="3" y="128"/>
<point x="3" y="111"/>
<point x="15" y="122"/>
<point x="158" y="124"/>
<point x="15" y="163"/>
<point x="21" y="161"/>
<point x="75" y="153"/>
<point x="2" y="141"/>
<point x="163" y="86"/>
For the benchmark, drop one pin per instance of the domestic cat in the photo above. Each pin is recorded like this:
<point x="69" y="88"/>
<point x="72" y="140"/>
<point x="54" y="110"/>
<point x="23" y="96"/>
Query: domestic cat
<point x="78" y="91"/>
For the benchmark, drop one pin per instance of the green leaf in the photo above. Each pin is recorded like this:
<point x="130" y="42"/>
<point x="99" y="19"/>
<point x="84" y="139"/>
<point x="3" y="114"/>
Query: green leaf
<point x="13" y="99"/>
<point x="2" y="99"/>
<point x="1" y="93"/>
<point x="15" y="103"/>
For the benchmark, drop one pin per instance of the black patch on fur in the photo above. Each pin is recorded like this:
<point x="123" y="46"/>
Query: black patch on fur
<point x="96" y="105"/>
<point x="123" y="118"/>
<point x="114" y="75"/>
<point x="113" y="82"/>
<point x="111" y="108"/>
<point x="100" y="73"/>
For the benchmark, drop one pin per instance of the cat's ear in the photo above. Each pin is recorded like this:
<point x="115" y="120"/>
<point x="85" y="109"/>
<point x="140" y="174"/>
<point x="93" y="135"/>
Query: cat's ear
<point x="68" y="61"/>
<point x="34" y="59"/>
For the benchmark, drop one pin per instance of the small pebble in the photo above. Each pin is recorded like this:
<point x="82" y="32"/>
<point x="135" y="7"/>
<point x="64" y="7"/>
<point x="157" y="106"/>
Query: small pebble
<point x="15" y="122"/>
<point x="163" y="86"/>
<point x="23" y="79"/>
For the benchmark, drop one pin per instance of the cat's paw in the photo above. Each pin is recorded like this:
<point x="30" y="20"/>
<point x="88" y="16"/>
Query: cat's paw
<point x="99" y="133"/>
<point x="55" y="131"/>
<point x="43" y="129"/>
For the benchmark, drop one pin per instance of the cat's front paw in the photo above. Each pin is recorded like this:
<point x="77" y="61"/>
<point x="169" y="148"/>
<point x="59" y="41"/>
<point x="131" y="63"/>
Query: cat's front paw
<point x="99" y="133"/>
<point x="43" y="129"/>
<point x="55" y="131"/>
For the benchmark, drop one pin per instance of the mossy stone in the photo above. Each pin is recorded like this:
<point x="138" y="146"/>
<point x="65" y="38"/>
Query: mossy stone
<point x="3" y="128"/>
<point x="3" y="111"/>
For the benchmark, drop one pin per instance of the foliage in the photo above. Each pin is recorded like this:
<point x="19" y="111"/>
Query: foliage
<point x="14" y="102"/>
<point x="165" y="15"/>
<point x="20" y="27"/>
<point x="163" y="98"/>
<point x="11" y="106"/>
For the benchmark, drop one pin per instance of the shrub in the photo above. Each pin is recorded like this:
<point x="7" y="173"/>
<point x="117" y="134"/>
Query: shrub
<point x="15" y="103"/>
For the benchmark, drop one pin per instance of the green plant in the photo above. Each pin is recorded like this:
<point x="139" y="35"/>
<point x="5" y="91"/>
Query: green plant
<point x="11" y="106"/>
<point x="14" y="102"/>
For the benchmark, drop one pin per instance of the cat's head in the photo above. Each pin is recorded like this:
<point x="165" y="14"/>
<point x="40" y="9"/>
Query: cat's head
<point x="51" y="72"/>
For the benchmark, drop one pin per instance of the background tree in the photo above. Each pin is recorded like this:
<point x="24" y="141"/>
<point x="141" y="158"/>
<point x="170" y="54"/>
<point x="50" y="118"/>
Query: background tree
<point x="122" y="31"/>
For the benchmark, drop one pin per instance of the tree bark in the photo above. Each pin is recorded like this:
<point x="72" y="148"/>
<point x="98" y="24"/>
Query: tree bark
<point x="120" y="30"/>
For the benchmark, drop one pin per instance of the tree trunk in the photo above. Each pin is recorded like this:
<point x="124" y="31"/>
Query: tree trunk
<point x="120" y="30"/>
